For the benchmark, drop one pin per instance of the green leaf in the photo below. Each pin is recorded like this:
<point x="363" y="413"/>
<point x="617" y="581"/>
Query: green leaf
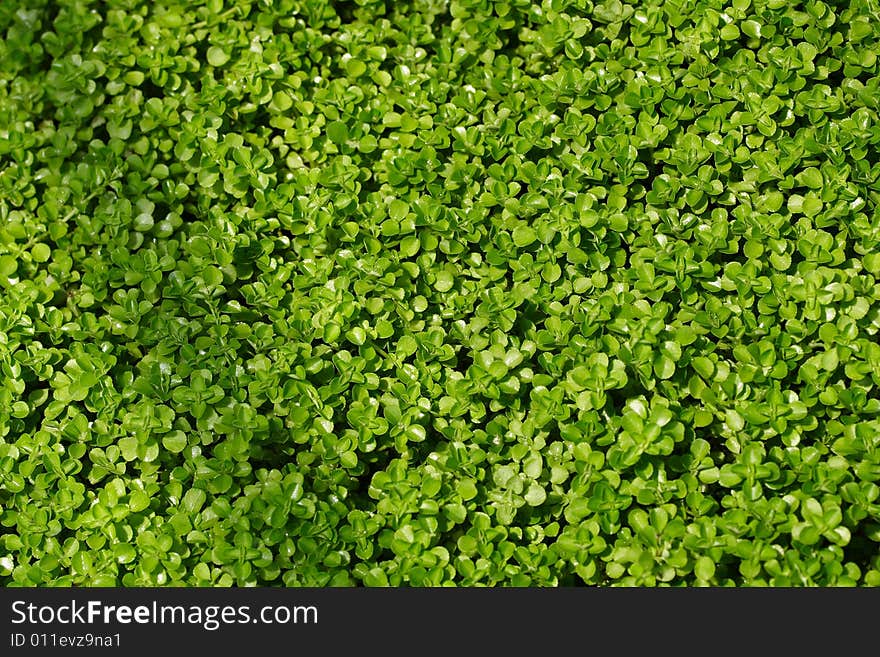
<point x="810" y="177"/>
<point x="664" y="367"/>
<point x="443" y="281"/>
<point x="811" y="206"/>
<point x="409" y="246"/>
<point x="355" y="68"/>
<point x="337" y="131"/>
<point x="416" y="433"/>
<point x="704" y="569"/>
<point x="734" y="420"/>
<point x="193" y="500"/>
<point x="524" y="235"/>
<point x="704" y="367"/>
<point x="730" y="32"/>
<point x="357" y="335"/>
<point x="467" y="489"/>
<point x="175" y="442"/>
<point x="535" y="495"/>
<point x="41" y="252"/>
<point x="217" y="56"/>
<point x="398" y="210"/>
<point x="138" y="501"/>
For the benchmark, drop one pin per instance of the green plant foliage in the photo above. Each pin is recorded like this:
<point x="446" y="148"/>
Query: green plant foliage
<point x="422" y="293"/>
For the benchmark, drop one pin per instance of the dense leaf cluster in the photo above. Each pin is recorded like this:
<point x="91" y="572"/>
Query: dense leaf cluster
<point x="471" y="292"/>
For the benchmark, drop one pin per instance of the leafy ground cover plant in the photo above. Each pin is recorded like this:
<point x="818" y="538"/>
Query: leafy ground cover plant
<point x="433" y="292"/>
